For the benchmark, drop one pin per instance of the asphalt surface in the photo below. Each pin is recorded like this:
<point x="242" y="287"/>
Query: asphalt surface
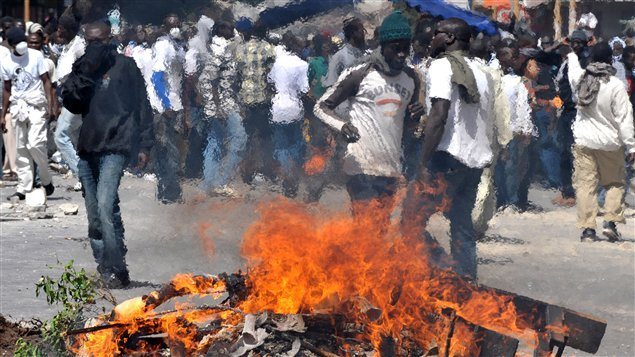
<point x="538" y="255"/>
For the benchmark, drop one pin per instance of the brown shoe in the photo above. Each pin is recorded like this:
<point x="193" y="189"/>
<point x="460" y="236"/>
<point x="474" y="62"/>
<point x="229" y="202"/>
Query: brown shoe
<point x="561" y="201"/>
<point x="11" y="176"/>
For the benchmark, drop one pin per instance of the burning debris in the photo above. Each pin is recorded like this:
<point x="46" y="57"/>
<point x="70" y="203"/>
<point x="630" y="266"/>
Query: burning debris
<point x="334" y="286"/>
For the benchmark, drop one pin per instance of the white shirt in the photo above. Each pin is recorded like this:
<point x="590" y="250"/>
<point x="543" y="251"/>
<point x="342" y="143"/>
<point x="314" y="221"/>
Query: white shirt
<point x="145" y="61"/>
<point x="4" y="52"/>
<point x="620" y="71"/>
<point x="377" y="110"/>
<point x="24" y="72"/>
<point x="519" y="108"/>
<point x="27" y="88"/>
<point x="607" y="123"/>
<point x="289" y="74"/>
<point x="341" y="60"/>
<point x="169" y="58"/>
<point x="71" y="52"/>
<point x="191" y="61"/>
<point x="51" y="67"/>
<point x="468" y="131"/>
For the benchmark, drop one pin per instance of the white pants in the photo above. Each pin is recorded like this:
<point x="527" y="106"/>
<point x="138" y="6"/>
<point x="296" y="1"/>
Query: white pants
<point x="31" y="148"/>
<point x="9" y="146"/>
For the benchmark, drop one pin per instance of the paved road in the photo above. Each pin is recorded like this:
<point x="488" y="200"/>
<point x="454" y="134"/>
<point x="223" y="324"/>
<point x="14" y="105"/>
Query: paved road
<point x="534" y="254"/>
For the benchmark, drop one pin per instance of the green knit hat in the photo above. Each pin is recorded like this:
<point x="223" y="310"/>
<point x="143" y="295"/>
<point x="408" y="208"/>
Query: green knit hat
<point x="395" y="27"/>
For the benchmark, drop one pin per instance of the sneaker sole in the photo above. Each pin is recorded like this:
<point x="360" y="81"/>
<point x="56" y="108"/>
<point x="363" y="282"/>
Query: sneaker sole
<point x="589" y="239"/>
<point x="612" y="236"/>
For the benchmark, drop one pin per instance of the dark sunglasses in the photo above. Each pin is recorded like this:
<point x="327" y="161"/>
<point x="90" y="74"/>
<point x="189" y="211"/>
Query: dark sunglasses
<point x="436" y="32"/>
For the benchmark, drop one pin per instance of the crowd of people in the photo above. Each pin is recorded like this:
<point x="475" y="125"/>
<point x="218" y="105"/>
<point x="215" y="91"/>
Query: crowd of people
<point x="222" y="101"/>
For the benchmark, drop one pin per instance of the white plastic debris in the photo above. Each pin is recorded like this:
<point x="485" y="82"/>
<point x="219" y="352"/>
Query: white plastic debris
<point x="290" y="323"/>
<point x="36" y="198"/>
<point x="295" y="348"/>
<point x="69" y="208"/>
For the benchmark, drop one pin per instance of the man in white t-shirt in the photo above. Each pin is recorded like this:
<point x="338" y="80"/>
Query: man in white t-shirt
<point x="457" y="143"/>
<point x="26" y="82"/>
<point x="167" y="79"/>
<point x="512" y="178"/>
<point x="289" y="75"/>
<point x="68" y="124"/>
<point x="384" y="98"/>
<point x="7" y="138"/>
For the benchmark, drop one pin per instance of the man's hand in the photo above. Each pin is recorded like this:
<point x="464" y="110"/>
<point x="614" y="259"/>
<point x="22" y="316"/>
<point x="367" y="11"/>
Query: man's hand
<point x="170" y="114"/>
<point x="350" y="132"/>
<point x="631" y="158"/>
<point x="416" y="110"/>
<point x="142" y="160"/>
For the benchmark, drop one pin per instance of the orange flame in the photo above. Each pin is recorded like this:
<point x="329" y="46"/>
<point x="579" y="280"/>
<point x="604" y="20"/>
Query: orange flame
<point x="316" y="164"/>
<point x="137" y="314"/>
<point x="206" y="240"/>
<point x="301" y="262"/>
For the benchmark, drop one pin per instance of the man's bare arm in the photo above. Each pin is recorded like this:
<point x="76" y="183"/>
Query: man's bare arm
<point x="434" y="128"/>
<point x="48" y="87"/>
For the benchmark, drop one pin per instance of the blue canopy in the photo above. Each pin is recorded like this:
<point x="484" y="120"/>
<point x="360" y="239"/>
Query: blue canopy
<point x="445" y="10"/>
<point x="283" y="15"/>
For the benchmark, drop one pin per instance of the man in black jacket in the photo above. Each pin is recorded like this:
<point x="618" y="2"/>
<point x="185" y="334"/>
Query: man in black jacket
<point x="117" y="124"/>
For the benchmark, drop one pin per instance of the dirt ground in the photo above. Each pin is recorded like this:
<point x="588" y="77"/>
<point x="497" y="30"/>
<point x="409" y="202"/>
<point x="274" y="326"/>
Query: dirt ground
<point x="538" y="255"/>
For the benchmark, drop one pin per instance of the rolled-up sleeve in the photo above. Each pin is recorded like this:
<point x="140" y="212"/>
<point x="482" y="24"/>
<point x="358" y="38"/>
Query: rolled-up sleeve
<point x="440" y="79"/>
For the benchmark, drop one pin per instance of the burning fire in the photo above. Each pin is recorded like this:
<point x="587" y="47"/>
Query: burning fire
<point x="316" y="164"/>
<point x="300" y="261"/>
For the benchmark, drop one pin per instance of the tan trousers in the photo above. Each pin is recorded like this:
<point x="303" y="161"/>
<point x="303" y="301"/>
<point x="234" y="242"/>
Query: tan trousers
<point x="10" y="146"/>
<point x="592" y="169"/>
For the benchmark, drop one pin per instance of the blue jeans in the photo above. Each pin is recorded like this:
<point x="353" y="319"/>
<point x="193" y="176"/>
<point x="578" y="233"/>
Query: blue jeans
<point x="68" y="125"/>
<point x="462" y="184"/>
<point x="196" y="140"/>
<point x="226" y="142"/>
<point x="288" y="150"/>
<point x="512" y="177"/>
<point x="259" y="151"/>
<point x="166" y="158"/>
<point x="547" y="147"/>
<point x="364" y="189"/>
<point x="367" y="187"/>
<point x="100" y="175"/>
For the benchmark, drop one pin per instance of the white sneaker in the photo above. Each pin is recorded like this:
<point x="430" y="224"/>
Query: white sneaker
<point x="78" y="187"/>
<point x="150" y="177"/>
